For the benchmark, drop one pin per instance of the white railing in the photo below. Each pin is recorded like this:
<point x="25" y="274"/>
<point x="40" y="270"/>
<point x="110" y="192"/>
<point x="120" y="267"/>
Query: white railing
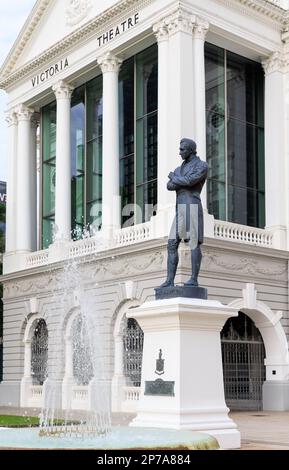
<point x="131" y="396"/>
<point x="80" y="397"/>
<point x="242" y="234"/>
<point x="142" y="232"/>
<point x="131" y="393"/>
<point x="134" y="234"/>
<point x="84" y="247"/>
<point x="36" y="396"/>
<point x="39" y="258"/>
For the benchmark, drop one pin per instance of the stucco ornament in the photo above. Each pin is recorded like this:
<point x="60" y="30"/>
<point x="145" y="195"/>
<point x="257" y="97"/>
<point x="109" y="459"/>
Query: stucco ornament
<point x="77" y="10"/>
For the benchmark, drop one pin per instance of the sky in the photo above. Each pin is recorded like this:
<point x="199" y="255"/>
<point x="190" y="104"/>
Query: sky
<point x="13" y="14"/>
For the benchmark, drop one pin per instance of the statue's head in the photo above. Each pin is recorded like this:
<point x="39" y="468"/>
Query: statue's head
<point x="187" y="148"/>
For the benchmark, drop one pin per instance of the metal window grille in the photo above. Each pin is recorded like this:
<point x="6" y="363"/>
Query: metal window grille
<point x="132" y="352"/>
<point x="39" y="353"/>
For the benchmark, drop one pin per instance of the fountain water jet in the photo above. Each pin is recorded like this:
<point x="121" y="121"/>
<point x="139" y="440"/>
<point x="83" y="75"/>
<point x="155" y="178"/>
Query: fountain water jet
<point x="88" y="358"/>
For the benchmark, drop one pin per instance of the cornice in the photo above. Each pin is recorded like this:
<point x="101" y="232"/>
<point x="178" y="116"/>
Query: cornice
<point x="94" y="26"/>
<point x="257" y="8"/>
<point x="261" y="7"/>
<point x="24" y="35"/>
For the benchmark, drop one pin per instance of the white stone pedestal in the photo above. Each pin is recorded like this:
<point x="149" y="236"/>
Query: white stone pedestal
<point x="188" y="333"/>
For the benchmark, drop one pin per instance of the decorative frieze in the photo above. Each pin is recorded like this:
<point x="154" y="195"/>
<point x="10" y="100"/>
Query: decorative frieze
<point x="76" y="11"/>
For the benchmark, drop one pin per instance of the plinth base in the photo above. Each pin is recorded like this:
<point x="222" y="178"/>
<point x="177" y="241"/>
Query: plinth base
<point x="189" y="292"/>
<point x="182" y="379"/>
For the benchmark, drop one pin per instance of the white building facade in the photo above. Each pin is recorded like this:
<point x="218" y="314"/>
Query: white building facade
<point x="99" y="96"/>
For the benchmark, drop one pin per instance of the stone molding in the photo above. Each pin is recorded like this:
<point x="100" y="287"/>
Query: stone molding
<point x="62" y="90"/>
<point x="11" y="117"/>
<point x="250" y="8"/>
<point x="180" y="21"/>
<point x="98" y="24"/>
<point x="161" y="31"/>
<point x="76" y="11"/>
<point x="277" y="62"/>
<point x="109" y="63"/>
<point x="201" y="28"/>
<point x="216" y="261"/>
<point x="24" y="113"/>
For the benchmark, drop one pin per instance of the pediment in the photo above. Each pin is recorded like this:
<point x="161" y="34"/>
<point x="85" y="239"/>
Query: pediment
<point x="49" y="22"/>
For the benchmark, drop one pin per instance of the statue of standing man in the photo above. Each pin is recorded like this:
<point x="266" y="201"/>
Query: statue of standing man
<point x="188" y="181"/>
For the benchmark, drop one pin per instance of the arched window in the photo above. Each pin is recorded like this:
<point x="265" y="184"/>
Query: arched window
<point x="39" y="353"/>
<point x="243" y="363"/>
<point x="132" y="351"/>
<point x="82" y="361"/>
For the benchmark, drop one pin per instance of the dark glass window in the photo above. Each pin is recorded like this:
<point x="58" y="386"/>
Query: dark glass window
<point x="138" y="101"/>
<point x="77" y="161"/>
<point x="48" y="172"/>
<point x="94" y="153"/>
<point x="235" y="137"/>
<point x="138" y="93"/>
<point x="126" y="139"/>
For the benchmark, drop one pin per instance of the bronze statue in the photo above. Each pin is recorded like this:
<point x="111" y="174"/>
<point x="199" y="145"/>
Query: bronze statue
<point x="188" y="181"/>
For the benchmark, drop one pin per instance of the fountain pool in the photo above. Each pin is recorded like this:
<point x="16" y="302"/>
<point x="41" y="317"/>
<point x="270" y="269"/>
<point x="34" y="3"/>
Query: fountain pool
<point x="119" y="438"/>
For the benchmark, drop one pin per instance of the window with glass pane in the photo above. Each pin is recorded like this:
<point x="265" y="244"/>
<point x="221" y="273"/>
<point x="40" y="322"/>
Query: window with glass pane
<point x="235" y="137"/>
<point x="48" y="172"/>
<point x="126" y="140"/>
<point x="77" y="162"/>
<point x="146" y="131"/>
<point x="94" y="153"/>
<point x="86" y="161"/>
<point x="138" y="108"/>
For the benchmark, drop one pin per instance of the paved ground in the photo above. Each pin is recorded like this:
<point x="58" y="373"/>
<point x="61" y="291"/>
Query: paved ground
<point x="263" y="430"/>
<point x="260" y="430"/>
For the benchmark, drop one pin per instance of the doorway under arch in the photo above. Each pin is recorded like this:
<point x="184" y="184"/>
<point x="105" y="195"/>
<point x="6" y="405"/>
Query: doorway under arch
<point x="243" y="355"/>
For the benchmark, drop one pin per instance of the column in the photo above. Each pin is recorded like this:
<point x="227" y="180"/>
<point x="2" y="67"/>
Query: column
<point x="181" y="78"/>
<point x="68" y="357"/>
<point x="24" y="219"/>
<point x="27" y="360"/>
<point x="164" y="197"/>
<point x="68" y="380"/>
<point x="275" y="152"/>
<point x="110" y="65"/>
<point x="199" y="34"/>
<point x="63" y="93"/>
<point x="33" y="171"/>
<point x="26" y="381"/>
<point x="11" y="119"/>
<point x="118" y="381"/>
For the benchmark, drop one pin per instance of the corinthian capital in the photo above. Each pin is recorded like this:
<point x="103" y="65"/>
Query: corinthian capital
<point x="276" y="62"/>
<point x="11" y="117"/>
<point x="109" y="63"/>
<point x="24" y="113"/>
<point x="201" y="28"/>
<point x="180" y="21"/>
<point x="62" y="90"/>
<point x="161" y="31"/>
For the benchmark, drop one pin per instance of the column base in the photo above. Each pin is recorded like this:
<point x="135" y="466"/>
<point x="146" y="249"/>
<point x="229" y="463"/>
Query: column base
<point x="276" y="395"/>
<point x="67" y="385"/>
<point x="117" y="394"/>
